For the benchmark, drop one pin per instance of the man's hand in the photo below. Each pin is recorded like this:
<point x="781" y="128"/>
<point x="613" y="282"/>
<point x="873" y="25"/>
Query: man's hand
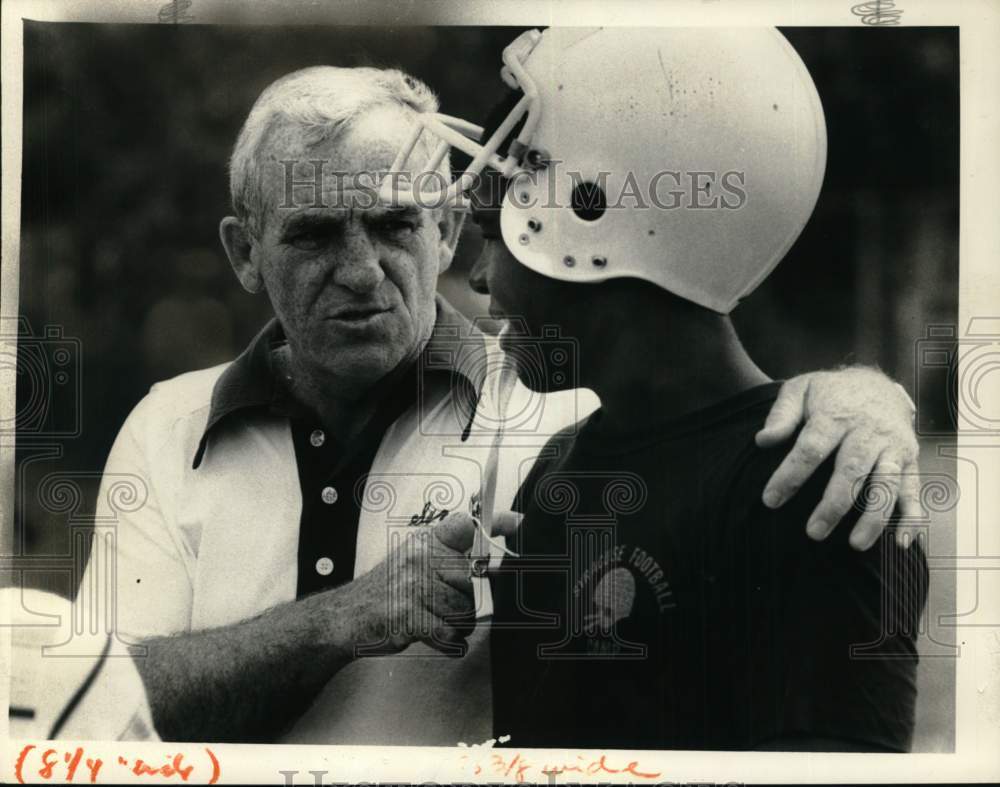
<point x="422" y="590"/>
<point x="249" y="681"/>
<point x="870" y="419"/>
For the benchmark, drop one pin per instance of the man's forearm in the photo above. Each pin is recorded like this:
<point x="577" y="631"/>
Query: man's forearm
<point x="248" y="681"/>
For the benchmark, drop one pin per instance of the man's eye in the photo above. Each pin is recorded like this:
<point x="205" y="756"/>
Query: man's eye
<point x="310" y="240"/>
<point x="398" y="227"/>
<point x="313" y="233"/>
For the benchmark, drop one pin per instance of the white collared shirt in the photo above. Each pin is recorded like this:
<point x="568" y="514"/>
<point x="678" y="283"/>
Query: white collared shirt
<point x="189" y="549"/>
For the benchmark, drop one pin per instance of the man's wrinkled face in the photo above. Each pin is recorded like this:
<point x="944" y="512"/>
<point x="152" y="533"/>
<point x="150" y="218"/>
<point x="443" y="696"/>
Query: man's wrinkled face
<point x="352" y="283"/>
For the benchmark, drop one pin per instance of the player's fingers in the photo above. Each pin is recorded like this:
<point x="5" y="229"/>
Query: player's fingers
<point x="814" y="444"/>
<point x="910" y="509"/>
<point x="786" y="413"/>
<point x="854" y="463"/>
<point x="879" y="501"/>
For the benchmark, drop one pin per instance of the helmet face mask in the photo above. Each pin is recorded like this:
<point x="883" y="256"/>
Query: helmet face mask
<point x="465" y="136"/>
<point x="689" y="158"/>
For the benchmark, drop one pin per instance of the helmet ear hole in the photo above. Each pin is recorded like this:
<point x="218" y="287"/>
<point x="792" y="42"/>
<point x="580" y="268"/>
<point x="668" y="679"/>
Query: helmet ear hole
<point x="588" y="201"/>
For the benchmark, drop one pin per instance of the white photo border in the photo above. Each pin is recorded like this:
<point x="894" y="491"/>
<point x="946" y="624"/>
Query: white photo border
<point x="977" y="557"/>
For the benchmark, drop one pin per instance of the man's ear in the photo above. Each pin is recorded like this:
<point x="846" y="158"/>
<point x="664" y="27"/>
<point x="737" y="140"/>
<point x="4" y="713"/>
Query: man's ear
<point x="238" y="245"/>
<point x="450" y="224"/>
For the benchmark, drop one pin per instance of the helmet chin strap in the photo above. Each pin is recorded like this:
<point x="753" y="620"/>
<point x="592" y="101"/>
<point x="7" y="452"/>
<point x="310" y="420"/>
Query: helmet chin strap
<point x="506" y="381"/>
<point x="487" y="553"/>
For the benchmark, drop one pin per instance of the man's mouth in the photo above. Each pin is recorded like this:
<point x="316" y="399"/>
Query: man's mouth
<point x="357" y="315"/>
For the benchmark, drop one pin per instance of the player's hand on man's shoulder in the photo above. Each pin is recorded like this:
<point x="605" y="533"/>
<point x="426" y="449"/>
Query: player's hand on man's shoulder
<point x="868" y="420"/>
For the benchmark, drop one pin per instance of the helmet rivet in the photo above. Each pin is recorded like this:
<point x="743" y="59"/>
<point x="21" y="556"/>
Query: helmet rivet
<point x="535" y="159"/>
<point x="569" y="261"/>
<point x="599" y="262"/>
<point x="534" y="225"/>
<point x="523" y="238"/>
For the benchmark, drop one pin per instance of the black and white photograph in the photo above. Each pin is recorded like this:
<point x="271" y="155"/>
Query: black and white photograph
<point x="497" y="393"/>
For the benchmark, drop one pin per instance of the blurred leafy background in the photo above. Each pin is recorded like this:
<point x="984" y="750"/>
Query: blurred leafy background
<point x="127" y="133"/>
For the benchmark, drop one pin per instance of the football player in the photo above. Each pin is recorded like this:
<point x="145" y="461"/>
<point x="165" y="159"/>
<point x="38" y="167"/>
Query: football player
<point x="633" y="189"/>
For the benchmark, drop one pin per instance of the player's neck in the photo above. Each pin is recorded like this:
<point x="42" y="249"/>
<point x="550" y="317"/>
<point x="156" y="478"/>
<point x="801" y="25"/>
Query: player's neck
<point x="653" y="372"/>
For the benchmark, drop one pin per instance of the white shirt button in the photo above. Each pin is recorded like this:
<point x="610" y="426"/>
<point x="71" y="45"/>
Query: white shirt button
<point x="324" y="566"/>
<point x="329" y="495"/>
<point x="317" y="438"/>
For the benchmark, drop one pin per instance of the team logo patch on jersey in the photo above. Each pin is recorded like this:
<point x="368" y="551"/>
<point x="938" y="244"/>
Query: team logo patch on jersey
<point x="649" y="569"/>
<point x="622" y="585"/>
<point x="613" y="599"/>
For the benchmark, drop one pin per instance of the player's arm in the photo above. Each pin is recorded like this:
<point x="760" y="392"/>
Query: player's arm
<point x="837" y="627"/>
<point x="865" y="418"/>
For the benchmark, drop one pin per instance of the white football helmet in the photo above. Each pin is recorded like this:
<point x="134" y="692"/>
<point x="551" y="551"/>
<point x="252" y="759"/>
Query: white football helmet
<point x="691" y="158"/>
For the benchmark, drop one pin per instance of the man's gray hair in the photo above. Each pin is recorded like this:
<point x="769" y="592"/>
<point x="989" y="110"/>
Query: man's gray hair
<point x="321" y="100"/>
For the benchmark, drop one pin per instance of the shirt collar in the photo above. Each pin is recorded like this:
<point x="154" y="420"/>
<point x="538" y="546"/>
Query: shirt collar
<point x="456" y="348"/>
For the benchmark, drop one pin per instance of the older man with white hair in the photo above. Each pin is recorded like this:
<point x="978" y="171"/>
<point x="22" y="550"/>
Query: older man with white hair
<point x="289" y="572"/>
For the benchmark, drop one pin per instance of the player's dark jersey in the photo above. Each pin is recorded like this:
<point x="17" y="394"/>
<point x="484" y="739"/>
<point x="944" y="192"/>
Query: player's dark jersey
<point x="658" y="604"/>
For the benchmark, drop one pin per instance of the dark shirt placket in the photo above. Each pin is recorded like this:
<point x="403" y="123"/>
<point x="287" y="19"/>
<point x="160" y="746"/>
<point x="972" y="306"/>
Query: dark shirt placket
<point x="328" y="528"/>
<point x="332" y="477"/>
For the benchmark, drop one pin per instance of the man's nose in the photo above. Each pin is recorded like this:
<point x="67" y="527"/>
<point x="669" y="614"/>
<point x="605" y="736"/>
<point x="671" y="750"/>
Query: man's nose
<point x="478" y="274"/>
<point x="359" y="266"/>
